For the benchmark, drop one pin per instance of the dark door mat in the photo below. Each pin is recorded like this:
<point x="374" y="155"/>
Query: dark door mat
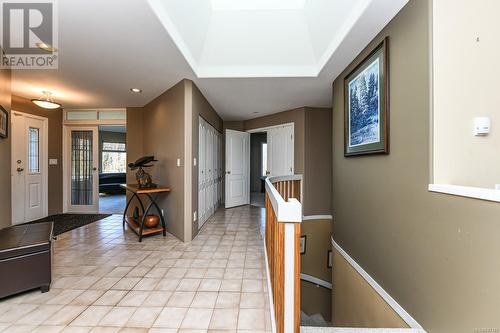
<point x="67" y="222"/>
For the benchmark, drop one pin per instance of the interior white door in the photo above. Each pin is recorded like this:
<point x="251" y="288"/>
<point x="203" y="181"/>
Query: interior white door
<point x="83" y="177"/>
<point x="280" y="151"/>
<point x="237" y="168"/>
<point x="201" y="173"/>
<point x="29" y="169"/>
<point x="209" y="163"/>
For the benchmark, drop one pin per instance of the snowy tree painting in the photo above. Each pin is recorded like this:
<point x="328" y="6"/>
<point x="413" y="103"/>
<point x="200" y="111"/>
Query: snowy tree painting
<point x="364" y="106"/>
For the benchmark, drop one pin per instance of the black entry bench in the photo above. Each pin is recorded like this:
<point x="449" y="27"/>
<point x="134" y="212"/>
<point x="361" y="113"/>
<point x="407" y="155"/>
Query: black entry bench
<point x="25" y="258"/>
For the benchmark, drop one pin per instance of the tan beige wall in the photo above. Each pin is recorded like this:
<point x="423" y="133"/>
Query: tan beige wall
<point x="356" y="303"/>
<point x="318" y="162"/>
<point x="315" y="299"/>
<point x="5" y="193"/>
<point x="135" y="141"/>
<point x="135" y="144"/>
<point x="167" y="127"/>
<point x="163" y="137"/>
<point x="435" y="254"/>
<point x="200" y="107"/>
<point x="55" y="137"/>
<point x="318" y="242"/>
<point x="466" y="73"/>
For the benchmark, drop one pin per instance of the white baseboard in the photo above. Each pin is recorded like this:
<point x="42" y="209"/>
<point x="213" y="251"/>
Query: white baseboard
<point x="408" y="319"/>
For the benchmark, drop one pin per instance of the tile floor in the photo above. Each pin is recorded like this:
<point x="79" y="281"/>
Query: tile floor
<point x="105" y="281"/>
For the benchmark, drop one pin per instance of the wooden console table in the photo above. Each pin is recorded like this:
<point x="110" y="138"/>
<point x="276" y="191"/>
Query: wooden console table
<point x="137" y="225"/>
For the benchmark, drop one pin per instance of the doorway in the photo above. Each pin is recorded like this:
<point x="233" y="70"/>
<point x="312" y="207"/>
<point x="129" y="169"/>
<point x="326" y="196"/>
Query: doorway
<point x="112" y="168"/>
<point x="29" y="168"/>
<point x="278" y="151"/>
<point x="258" y="168"/>
<point x="94" y="160"/>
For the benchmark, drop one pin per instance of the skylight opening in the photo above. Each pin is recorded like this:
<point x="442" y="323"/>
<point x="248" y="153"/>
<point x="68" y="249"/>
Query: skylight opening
<point x="226" y="5"/>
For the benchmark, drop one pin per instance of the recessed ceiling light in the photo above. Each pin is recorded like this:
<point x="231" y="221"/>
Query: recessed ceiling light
<point x="46" y="101"/>
<point x="136" y="90"/>
<point x="46" y="47"/>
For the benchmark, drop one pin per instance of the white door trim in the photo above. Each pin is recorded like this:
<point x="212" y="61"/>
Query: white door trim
<point x="44" y="158"/>
<point x="67" y="170"/>
<point x="267" y="128"/>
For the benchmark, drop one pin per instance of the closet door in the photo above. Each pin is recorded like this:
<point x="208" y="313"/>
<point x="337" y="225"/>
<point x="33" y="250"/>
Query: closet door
<point x="201" y="172"/>
<point x="221" y="169"/>
<point x="217" y="166"/>
<point x="214" y="173"/>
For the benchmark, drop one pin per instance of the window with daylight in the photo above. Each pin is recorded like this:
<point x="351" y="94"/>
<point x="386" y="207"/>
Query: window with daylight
<point x="114" y="157"/>
<point x="264" y="159"/>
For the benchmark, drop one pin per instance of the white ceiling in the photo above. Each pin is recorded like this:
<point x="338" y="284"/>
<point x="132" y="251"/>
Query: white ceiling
<point x="108" y="47"/>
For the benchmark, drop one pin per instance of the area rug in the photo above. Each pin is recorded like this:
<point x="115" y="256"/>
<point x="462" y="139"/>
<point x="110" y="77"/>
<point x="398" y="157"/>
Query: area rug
<point x="67" y="222"/>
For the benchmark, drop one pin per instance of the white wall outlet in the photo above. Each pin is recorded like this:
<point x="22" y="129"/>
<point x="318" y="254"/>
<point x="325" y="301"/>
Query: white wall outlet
<point x="178" y="162"/>
<point x="482" y="126"/>
<point x="194" y="161"/>
<point x="53" y="161"/>
<point x="195" y="216"/>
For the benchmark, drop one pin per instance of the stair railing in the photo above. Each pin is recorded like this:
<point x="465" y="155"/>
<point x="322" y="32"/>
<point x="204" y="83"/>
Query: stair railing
<point x="283" y="218"/>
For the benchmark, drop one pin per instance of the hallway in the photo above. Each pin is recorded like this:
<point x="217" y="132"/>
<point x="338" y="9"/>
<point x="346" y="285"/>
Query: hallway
<point x="104" y="280"/>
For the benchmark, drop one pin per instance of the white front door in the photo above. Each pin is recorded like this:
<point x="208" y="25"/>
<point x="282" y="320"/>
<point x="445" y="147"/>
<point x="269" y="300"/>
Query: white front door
<point x="237" y="168"/>
<point x="81" y="169"/>
<point x="280" y="151"/>
<point x="29" y="169"/>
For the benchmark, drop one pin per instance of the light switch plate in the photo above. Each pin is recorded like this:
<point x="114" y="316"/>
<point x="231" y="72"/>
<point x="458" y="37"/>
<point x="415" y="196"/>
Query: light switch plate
<point x="195" y="216"/>
<point x="194" y="161"/>
<point x="178" y="162"/>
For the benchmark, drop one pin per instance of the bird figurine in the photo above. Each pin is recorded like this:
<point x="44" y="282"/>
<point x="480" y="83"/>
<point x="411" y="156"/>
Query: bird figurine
<point x="143" y="178"/>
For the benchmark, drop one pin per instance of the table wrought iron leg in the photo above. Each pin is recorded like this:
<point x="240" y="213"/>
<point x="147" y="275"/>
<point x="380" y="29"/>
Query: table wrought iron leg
<point x="142" y="221"/>
<point x="162" y="218"/>
<point x="126" y="208"/>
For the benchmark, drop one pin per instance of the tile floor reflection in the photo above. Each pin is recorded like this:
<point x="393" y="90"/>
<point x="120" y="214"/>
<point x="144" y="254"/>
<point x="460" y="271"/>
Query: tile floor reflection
<point x="104" y="280"/>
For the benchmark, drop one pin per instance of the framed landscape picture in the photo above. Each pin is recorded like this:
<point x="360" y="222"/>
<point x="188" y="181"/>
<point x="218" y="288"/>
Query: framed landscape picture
<point x="4" y="123"/>
<point x="366" y="102"/>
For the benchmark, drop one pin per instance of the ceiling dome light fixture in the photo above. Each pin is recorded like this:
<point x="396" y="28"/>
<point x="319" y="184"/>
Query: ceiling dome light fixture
<point x="46" y="47"/>
<point x="136" y="90"/>
<point x="46" y="101"/>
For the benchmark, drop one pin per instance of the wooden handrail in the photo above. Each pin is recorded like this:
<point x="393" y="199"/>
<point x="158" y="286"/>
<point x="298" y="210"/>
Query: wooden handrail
<point x="283" y="217"/>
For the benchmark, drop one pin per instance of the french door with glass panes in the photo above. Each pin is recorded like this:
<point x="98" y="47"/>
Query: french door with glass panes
<point x="81" y="169"/>
<point x="29" y="169"/>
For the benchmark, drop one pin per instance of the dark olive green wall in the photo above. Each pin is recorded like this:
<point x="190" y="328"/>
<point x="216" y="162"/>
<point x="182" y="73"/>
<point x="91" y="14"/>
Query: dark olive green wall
<point x="436" y="254"/>
<point x="5" y="193"/>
